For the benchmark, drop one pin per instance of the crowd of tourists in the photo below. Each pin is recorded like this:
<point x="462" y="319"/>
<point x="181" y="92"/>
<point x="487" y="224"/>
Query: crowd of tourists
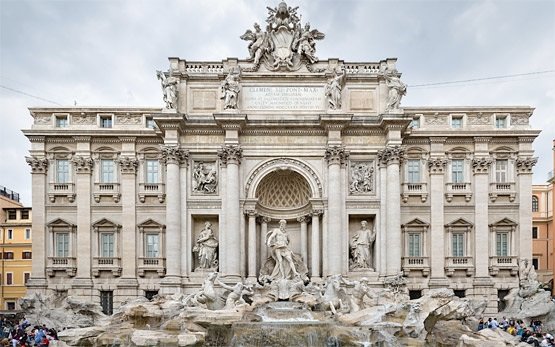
<point x="532" y="334"/>
<point x="24" y="334"/>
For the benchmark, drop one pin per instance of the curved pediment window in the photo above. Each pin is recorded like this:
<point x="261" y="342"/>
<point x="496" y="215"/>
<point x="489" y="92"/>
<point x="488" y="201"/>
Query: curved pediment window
<point x="284" y="189"/>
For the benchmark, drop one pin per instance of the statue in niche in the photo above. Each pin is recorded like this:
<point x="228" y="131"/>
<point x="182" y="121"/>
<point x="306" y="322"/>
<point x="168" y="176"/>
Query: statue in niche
<point x="235" y="297"/>
<point x="230" y="89"/>
<point x="306" y="42"/>
<point x="206" y="246"/>
<point x="169" y="88"/>
<point x="362" y="178"/>
<point x="396" y="90"/>
<point x="204" y="178"/>
<point x="334" y="88"/>
<point x="361" y="244"/>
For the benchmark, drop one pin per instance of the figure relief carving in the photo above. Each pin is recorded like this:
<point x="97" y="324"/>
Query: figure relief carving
<point x="436" y="119"/>
<point x="206" y="246"/>
<point x="230" y="89"/>
<point x="481" y="165"/>
<point x="284" y="44"/>
<point x="43" y="120"/>
<point x="362" y="178"/>
<point x="525" y="164"/>
<point x="479" y="119"/>
<point x="205" y="178"/>
<point x="37" y="164"/>
<point x="169" y="88"/>
<point x="230" y="154"/>
<point x="334" y="88"/>
<point x="173" y="154"/>
<point x="391" y="154"/>
<point x="397" y="89"/>
<point x="336" y="155"/>
<point x="520" y="119"/>
<point x="128" y="165"/>
<point x="362" y="244"/>
<point x="437" y="165"/>
<point x="82" y="164"/>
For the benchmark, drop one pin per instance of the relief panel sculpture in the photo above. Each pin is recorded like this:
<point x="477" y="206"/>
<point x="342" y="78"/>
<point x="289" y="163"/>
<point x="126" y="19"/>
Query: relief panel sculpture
<point x="205" y="177"/>
<point x="361" y="180"/>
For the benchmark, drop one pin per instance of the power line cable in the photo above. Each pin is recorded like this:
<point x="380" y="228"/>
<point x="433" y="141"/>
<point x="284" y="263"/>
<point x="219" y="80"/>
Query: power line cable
<point x="30" y="95"/>
<point x="481" y="79"/>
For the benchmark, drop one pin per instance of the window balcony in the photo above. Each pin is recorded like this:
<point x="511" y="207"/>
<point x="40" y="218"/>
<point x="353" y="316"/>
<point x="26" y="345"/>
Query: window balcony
<point x="502" y="189"/>
<point x="106" y="264"/>
<point x="458" y="189"/>
<point x="152" y="264"/>
<point x="459" y="263"/>
<point x="509" y="263"/>
<point x="106" y="189"/>
<point x="152" y="189"/>
<point x="416" y="264"/>
<point x="61" y="189"/>
<point x="67" y="264"/>
<point x="414" y="189"/>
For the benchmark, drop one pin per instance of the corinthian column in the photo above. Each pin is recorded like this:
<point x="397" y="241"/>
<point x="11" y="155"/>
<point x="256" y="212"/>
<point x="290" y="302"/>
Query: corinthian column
<point x="251" y="249"/>
<point x="230" y="155"/>
<point x="173" y="156"/>
<point x="336" y="156"/>
<point x="436" y="167"/>
<point x="480" y="168"/>
<point x="315" y="245"/>
<point x="391" y="157"/>
<point x="524" y="167"/>
<point x="128" y="168"/>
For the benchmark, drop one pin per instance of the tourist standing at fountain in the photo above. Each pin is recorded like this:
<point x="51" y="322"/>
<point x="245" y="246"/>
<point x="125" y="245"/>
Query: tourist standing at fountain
<point x="278" y="241"/>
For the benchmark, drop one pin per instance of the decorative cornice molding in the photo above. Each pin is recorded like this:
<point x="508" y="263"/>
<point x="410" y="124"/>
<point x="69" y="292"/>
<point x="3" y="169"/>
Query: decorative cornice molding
<point x="82" y="138"/>
<point x="128" y="139"/>
<point x="230" y="154"/>
<point x="391" y="155"/>
<point x="526" y="139"/>
<point x="82" y="164"/>
<point x="481" y="165"/>
<point x="437" y="165"/>
<point x="60" y="140"/>
<point x="336" y="155"/>
<point x="36" y="139"/>
<point x="39" y="165"/>
<point x="173" y="154"/>
<point x="437" y="139"/>
<point x="478" y="139"/>
<point x="128" y="165"/>
<point x="524" y="165"/>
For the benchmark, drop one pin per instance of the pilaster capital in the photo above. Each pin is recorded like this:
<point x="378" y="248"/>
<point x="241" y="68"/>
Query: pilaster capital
<point x="302" y="219"/>
<point x="82" y="164"/>
<point x="336" y="155"/>
<point x="437" y="165"/>
<point x="230" y="154"/>
<point x="524" y="165"/>
<point x="481" y="165"/>
<point x="39" y="165"/>
<point x="391" y="155"/>
<point x="265" y="219"/>
<point x="173" y="154"/>
<point x="316" y="213"/>
<point x="251" y="213"/>
<point x="128" y="165"/>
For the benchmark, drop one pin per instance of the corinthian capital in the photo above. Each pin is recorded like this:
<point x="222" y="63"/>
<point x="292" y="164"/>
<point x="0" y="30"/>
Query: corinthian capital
<point x="128" y="165"/>
<point x="391" y="154"/>
<point x="231" y="154"/>
<point x="173" y="154"/>
<point x="481" y="165"/>
<point x="524" y="165"/>
<point x="82" y="164"/>
<point x="38" y="165"/>
<point x="437" y="165"/>
<point x="336" y="155"/>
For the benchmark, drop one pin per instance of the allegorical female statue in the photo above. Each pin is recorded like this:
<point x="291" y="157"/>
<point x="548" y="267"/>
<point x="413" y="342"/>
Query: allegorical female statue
<point x="361" y="247"/>
<point x="206" y="246"/>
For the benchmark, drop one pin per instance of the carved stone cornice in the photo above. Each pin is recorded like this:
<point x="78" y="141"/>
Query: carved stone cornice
<point x="437" y="165"/>
<point x="128" y="165"/>
<point x="82" y="164"/>
<point x="436" y="139"/>
<point x="38" y="165"/>
<point x="36" y="139"/>
<point x="172" y="154"/>
<point x="524" y="165"/>
<point x="230" y="154"/>
<point x="128" y="139"/>
<point x="482" y="139"/>
<point x="82" y="138"/>
<point x="336" y="155"/>
<point x="391" y="155"/>
<point x="481" y="165"/>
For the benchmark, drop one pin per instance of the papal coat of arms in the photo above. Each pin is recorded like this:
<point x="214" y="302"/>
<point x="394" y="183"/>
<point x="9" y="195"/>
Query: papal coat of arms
<point x="285" y="43"/>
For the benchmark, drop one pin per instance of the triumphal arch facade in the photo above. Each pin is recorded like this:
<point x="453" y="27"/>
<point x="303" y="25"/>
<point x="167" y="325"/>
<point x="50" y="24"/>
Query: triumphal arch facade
<point x="132" y="201"/>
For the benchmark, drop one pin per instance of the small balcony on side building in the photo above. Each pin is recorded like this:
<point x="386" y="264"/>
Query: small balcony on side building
<point x="152" y="264"/>
<point x="61" y="189"/>
<point x="106" y="264"/>
<point x="416" y="264"/>
<point x="152" y="189"/>
<point x="453" y="264"/>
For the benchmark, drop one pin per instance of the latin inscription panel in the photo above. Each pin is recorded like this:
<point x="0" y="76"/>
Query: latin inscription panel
<point x="277" y="98"/>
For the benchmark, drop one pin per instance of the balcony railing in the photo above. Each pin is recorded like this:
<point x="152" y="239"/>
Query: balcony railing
<point x="497" y="189"/>
<point x="458" y="189"/>
<point x="61" y="189"/>
<point x="415" y="189"/>
<point x="416" y="264"/>
<point x="67" y="264"/>
<point x="106" y="264"/>
<point x="459" y="263"/>
<point x="106" y="189"/>
<point x="152" y="189"/>
<point x="152" y="264"/>
<point x="498" y="263"/>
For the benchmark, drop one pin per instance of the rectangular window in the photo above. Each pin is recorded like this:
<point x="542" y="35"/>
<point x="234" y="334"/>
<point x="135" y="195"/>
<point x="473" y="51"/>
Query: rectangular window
<point x="27" y="255"/>
<point x="502" y="244"/>
<point x="8" y="255"/>
<point x="24" y="214"/>
<point x="150" y="123"/>
<point x="534" y="232"/>
<point x="27" y="234"/>
<point x="415" y="123"/>
<point x="26" y="276"/>
<point x="105" y="121"/>
<point x="9" y="278"/>
<point x="107" y="301"/>
<point x="500" y="122"/>
<point x="535" y="263"/>
<point x="10" y="305"/>
<point x="10" y="234"/>
<point x="107" y="171"/>
<point x="152" y="245"/>
<point x="413" y="171"/>
<point x="456" y="122"/>
<point x="12" y="214"/>
<point x="61" y="121"/>
<point x="414" y="245"/>
<point x="107" y="245"/>
<point x="152" y="168"/>
<point x="62" y="245"/>
<point x="458" y="244"/>
<point x="457" y="171"/>
<point x="501" y="171"/>
<point x="62" y="171"/>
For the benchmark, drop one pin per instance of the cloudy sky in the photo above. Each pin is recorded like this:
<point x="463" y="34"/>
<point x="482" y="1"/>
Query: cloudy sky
<point x="106" y="53"/>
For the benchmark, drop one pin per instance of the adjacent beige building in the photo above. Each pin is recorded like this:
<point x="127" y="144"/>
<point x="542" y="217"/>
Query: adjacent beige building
<point x="121" y="195"/>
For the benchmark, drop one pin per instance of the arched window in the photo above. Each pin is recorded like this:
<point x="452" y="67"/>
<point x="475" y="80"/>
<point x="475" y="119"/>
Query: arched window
<point x="535" y="203"/>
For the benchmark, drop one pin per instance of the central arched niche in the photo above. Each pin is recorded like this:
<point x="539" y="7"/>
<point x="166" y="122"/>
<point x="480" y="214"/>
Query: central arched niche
<point x="283" y="193"/>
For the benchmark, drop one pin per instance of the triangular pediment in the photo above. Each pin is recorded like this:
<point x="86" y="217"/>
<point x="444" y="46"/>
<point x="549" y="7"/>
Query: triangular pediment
<point x="416" y="222"/>
<point x="151" y="223"/>
<point x="461" y="222"/>
<point x="505" y="222"/>
<point x="105" y="223"/>
<point x="59" y="222"/>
